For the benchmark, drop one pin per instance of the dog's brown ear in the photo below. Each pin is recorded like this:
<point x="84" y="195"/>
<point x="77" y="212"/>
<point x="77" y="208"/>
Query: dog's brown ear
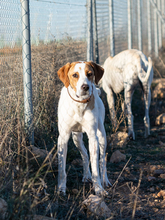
<point x="98" y="70"/>
<point x="63" y="74"/>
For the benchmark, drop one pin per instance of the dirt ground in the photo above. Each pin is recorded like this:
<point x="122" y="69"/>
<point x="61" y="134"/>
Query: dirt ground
<point x="136" y="181"/>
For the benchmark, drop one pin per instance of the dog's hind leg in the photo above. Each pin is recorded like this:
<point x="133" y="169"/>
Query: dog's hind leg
<point x="128" y="99"/>
<point x="111" y="104"/>
<point x="78" y="141"/>
<point x="147" y="100"/>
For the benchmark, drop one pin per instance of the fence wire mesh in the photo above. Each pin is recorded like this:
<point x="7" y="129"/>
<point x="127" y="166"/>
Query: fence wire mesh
<point x="58" y="36"/>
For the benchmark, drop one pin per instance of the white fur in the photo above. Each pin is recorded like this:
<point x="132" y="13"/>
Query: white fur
<point x="123" y="72"/>
<point x="75" y="118"/>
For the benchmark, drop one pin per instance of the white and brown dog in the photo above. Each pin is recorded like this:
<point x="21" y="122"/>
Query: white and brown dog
<point x="81" y="110"/>
<point x="123" y="72"/>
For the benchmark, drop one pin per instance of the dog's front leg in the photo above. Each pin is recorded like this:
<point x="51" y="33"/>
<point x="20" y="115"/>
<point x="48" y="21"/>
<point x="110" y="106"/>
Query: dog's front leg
<point x="94" y="159"/>
<point x="62" y="153"/>
<point x="102" y="146"/>
<point x="78" y="141"/>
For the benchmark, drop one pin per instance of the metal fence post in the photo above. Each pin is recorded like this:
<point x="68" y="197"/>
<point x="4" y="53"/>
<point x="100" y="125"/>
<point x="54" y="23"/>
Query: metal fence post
<point x="95" y="31"/>
<point x="89" y="32"/>
<point x="139" y="26"/>
<point x="163" y="10"/>
<point x="156" y="31"/>
<point x="149" y="27"/>
<point x="27" y="79"/>
<point x="112" y="43"/>
<point x="129" y="25"/>
<point x="159" y="27"/>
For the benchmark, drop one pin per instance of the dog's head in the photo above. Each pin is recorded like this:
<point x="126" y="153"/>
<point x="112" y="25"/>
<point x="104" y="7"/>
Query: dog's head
<point x="80" y="76"/>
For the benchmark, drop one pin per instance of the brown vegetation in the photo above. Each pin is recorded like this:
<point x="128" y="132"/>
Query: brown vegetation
<point x="28" y="183"/>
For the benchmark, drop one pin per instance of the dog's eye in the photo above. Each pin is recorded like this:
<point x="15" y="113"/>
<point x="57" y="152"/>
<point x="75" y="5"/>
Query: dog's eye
<point x="89" y="74"/>
<point x="75" y="75"/>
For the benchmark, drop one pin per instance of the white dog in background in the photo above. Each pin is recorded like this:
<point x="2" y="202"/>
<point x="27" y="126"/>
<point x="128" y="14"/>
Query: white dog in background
<point x="123" y="72"/>
<point x="80" y="110"/>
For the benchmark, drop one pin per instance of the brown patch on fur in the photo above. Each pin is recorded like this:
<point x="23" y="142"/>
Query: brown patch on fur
<point x="89" y="70"/>
<point x="98" y="70"/>
<point x="63" y="74"/>
<point x="73" y="81"/>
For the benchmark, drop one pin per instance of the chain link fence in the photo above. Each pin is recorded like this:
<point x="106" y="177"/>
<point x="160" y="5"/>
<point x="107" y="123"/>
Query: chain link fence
<point x="61" y="32"/>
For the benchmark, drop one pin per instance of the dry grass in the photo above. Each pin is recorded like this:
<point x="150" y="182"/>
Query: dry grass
<point x="28" y="183"/>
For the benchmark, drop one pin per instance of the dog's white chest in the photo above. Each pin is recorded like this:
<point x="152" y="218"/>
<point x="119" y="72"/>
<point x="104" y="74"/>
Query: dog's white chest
<point x="79" y="112"/>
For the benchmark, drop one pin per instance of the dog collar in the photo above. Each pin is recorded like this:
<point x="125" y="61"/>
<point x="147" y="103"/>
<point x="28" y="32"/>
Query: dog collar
<point x="84" y="100"/>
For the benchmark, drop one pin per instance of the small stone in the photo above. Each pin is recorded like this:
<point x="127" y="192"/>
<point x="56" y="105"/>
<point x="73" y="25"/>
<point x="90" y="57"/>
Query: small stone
<point x="41" y="217"/>
<point x="37" y="152"/>
<point x="119" y="139"/>
<point x="117" y="157"/>
<point x="157" y="173"/>
<point x="160" y="119"/>
<point x="162" y="176"/>
<point x="75" y="191"/>
<point x="150" y="178"/>
<point x="152" y="189"/>
<point x="161" y="194"/>
<point x="127" y="169"/>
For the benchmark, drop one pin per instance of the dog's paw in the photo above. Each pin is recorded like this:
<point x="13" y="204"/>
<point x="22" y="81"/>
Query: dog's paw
<point x="107" y="183"/>
<point x="62" y="191"/>
<point x="100" y="191"/>
<point x="131" y="136"/>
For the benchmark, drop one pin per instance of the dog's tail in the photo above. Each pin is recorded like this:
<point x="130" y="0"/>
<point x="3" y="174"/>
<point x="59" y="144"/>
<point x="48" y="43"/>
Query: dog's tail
<point x="149" y="69"/>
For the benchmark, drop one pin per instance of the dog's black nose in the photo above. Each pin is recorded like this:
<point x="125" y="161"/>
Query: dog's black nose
<point x="85" y="87"/>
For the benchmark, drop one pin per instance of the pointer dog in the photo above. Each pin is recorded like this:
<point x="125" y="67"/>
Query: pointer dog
<point x="123" y="72"/>
<point x="80" y="110"/>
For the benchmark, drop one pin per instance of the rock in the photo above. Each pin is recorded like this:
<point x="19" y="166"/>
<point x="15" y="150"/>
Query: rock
<point x="127" y="169"/>
<point x="3" y="208"/>
<point x="162" y="176"/>
<point x="117" y="157"/>
<point x="150" y="178"/>
<point x="119" y="139"/>
<point x="160" y="119"/>
<point x="159" y="91"/>
<point x="161" y="194"/>
<point x="157" y="173"/>
<point x="37" y="152"/>
<point x="97" y="206"/>
<point x="40" y="217"/>
<point x="75" y="191"/>
<point x="152" y="189"/>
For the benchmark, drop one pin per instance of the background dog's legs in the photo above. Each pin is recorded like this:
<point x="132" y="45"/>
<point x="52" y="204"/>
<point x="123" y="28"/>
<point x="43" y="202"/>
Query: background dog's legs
<point x="102" y="145"/>
<point x="78" y="141"/>
<point x="62" y="152"/>
<point x="128" y="99"/>
<point x="111" y="103"/>
<point x="147" y="100"/>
